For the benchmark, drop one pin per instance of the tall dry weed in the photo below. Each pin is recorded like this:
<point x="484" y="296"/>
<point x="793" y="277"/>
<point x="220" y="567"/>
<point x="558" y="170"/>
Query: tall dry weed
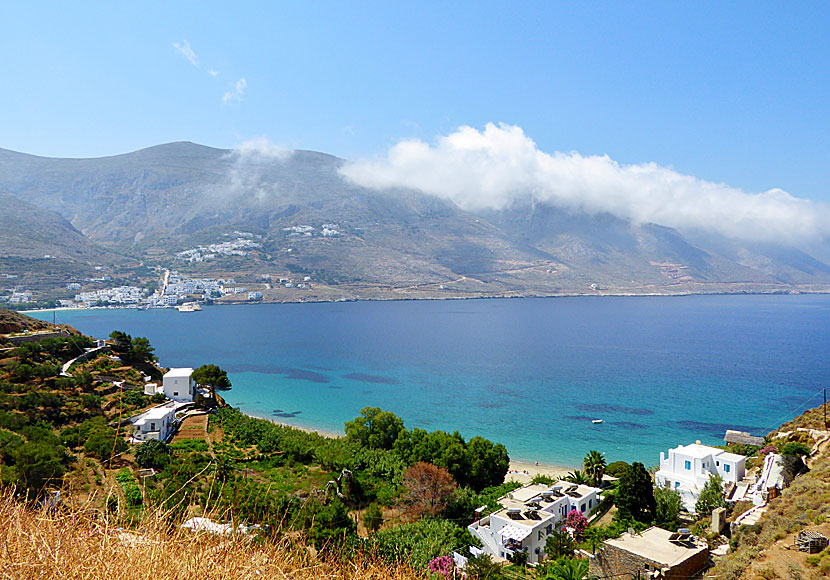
<point x="74" y="544"/>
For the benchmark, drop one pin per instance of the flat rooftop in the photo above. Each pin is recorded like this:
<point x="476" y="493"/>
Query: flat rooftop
<point x="527" y="505"/>
<point x="179" y="373"/>
<point x="653" y="544"/>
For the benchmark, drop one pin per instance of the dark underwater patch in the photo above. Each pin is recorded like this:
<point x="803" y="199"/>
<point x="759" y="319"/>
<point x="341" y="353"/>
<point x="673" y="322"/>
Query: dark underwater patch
<point x="372" y="379"/>
<point x="608" y="408"/>
<point x="284" y="414"/>
<point x="628" y="425"/>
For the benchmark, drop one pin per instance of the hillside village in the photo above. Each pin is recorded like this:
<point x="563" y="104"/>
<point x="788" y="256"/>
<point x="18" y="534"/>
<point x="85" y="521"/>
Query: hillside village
<point x="95" y="425"/>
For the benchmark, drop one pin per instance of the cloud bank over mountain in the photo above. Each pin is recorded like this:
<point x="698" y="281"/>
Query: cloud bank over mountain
<point x="496" y="167"/>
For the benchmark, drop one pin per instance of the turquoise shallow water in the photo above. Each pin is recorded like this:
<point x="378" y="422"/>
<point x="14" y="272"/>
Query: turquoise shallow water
<point x="529" y="373"/>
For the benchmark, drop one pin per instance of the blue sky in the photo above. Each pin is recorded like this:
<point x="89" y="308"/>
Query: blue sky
<point x="736" y="94"/>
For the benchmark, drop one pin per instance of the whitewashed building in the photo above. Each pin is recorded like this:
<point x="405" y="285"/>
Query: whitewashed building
<point x="528" y="515"/>
<point x="687" y="468"/>
<point x="157" y="423"/>
<point x="178" y="384"/>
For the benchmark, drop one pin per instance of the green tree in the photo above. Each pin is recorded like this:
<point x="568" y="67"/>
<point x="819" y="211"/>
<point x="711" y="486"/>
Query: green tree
<point x="594" y="465"/>
<point x="141" y="351"/>
<point x="559" y="543"/>
<point x="153" y="454"/>
<point x="374" y="428"/>
<point x="577" y="476"/>
<point x="635" y="496"/>
<point x="488" y="463"/>
<point x="105" y="443"/>
<point x="565" y="569"/>
<point x="373" y="517"/>
<point x="616" y="468"/>
<point x="711" y="496"/>
<point x="213" y="377"/>
<point x="34" y="465"/>
<point x="667" y="507"/>
<point x="483" y="568"/>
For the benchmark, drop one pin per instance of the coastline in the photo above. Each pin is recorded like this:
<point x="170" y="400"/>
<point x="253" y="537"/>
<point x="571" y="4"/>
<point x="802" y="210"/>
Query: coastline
<point x="520" y="471"/>
<point x="323" y="432"/>
<point x="772" y="291"/>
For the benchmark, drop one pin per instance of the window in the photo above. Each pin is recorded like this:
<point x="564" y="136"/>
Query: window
<point x="152" y="426"/>
<point x="176" y="394"/>
<point x="688" y="465"/>
<point x="726" y="467"/>
<point x="582" y="508"/>
<point x="717" y="463"/>
<point x="676" y="484"/>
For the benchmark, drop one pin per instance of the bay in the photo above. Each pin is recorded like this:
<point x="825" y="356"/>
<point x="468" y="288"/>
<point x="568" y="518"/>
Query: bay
<point x="530" y="373"/>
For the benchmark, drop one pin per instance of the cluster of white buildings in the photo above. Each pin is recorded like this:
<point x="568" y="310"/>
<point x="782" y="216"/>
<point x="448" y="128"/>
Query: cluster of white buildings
<point x="528" y="515"/>
<point x="238" y="247"/>
<point x="21" y="297"/>
<point x="159" y="422"/>
<point x="326" y="230"/>
<point x="120" y="295"/>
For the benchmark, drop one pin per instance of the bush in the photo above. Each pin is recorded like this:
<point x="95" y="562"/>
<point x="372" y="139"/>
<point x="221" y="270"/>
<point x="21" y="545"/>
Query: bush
<point x="153" y="454"/>
<point x="616" y="468"/>
<point x="104" y="443"/>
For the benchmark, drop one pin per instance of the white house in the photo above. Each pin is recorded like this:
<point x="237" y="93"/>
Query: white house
<point x="688" y="467"/>
<point x="178" y="384"/>
<point x="157" y="423"/>
<point x="528" y="515"/>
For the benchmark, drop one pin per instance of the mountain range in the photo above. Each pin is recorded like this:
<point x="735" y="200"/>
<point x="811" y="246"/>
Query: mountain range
<point x="300" y="216"/>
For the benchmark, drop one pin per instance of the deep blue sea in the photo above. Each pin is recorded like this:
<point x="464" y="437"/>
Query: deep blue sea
<point x="530" y="373"/>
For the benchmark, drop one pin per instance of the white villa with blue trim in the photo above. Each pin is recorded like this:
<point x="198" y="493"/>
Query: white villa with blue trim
<point x="528" y="515"/>
<point x="688" y="467"/>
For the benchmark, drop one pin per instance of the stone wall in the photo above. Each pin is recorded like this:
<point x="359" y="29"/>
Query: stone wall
<point x="613" y="562"/>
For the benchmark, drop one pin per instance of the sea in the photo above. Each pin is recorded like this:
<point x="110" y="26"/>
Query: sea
<point x="531" y="373"/>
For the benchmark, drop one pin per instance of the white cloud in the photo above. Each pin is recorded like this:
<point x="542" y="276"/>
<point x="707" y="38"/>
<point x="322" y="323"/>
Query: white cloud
<point x="259" y="149"/>
<point x="184" y="49"/>
<point x="212" y="72"/>
<point x="493" y="168"/>
<point x="236" y="93"/>
<point x="247" y="177"/>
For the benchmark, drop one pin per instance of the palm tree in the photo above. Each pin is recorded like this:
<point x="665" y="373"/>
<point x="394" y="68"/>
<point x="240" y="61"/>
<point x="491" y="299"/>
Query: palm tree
<point x="567" y="569"/>
<point x="594" y="465"/>
<point x="577" y="476"/>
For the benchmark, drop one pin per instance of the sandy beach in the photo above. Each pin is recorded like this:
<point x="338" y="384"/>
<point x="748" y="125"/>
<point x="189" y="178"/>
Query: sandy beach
<point x="524" y="471"/>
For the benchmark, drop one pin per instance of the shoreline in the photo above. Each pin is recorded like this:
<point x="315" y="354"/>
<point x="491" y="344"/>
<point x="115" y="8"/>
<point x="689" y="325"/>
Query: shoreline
<point x="599" y="294"/>
<point x="520" y="471"/>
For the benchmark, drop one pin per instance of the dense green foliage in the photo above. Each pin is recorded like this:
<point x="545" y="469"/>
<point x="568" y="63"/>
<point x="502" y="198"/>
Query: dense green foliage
<point x="155" y="454"/>
<point x="212" y="376"/>
<point x="132" y="350"/>
<point x="477" y="463"/>
<point x="667" y="504"/>
<point x="421" y="541"/>
<point x="635" y="497"/>
<point x="711" y="496"/>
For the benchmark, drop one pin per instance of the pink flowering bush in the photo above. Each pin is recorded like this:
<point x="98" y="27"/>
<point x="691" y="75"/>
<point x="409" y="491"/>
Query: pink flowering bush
<point x="768" y="449"/>
<point x="577" y="522"/>
<point x="441" y="567"/>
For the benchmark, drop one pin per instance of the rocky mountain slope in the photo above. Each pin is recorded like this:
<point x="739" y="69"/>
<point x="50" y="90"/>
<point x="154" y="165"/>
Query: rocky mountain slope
<point x="304" y="217"/>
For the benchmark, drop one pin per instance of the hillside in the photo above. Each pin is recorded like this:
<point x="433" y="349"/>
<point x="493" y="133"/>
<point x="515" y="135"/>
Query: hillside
<point x="12" y="322"/>
<point x="356" y="242"/>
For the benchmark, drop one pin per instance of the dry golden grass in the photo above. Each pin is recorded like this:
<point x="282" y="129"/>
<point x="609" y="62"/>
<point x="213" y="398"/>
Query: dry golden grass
<point x="70" y="544"/>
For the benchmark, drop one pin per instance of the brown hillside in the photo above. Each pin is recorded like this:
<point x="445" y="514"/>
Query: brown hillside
<point x="11" y="322"/>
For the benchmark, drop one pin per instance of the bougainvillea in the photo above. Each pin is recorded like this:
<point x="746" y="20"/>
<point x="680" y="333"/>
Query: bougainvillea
<point x="442" y="567"/>
<point x="577" y="522"/>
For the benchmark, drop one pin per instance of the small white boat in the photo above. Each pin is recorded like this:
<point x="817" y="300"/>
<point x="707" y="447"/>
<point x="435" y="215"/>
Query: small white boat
<point x="596" y="421"/>
<point x="189" y="307"/>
